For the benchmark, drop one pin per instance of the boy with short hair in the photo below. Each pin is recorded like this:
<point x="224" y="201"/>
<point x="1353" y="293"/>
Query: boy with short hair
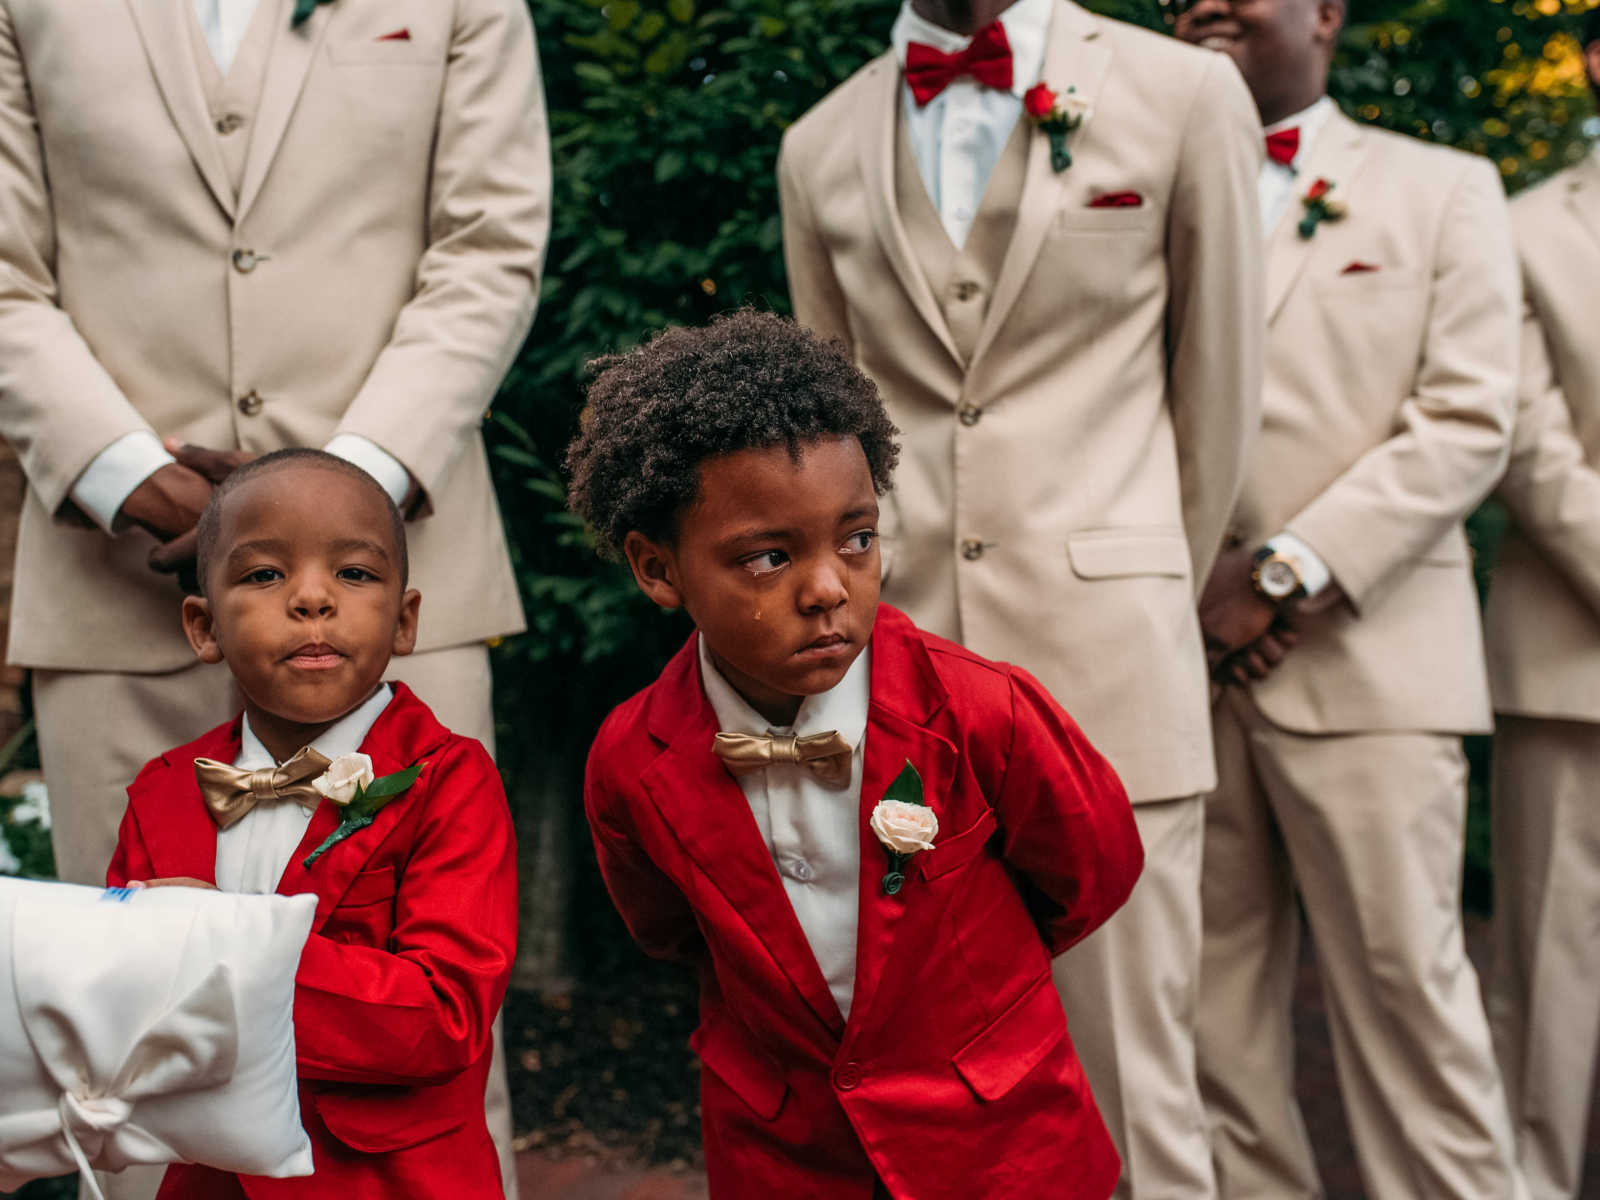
<point x="302" y="559"/>
<point x="871" y="840"/>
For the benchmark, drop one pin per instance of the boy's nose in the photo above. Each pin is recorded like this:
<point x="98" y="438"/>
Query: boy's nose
<point x="823" y="589"/>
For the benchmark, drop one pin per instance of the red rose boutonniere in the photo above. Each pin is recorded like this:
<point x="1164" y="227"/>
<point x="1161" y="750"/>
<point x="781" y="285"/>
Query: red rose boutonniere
<point x="1057" y="115"/>
<point x="1319" y="207"/>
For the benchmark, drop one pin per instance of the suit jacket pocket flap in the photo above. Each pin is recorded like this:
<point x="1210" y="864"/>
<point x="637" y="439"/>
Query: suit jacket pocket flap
<point x="751" y="1075"/>
<point x="948" y="853"/>
<point x="1108" y="553"/>
<point x="380" y="1120"/>
<point x="1015" y="1043"/>
<point x="369" y="887"/>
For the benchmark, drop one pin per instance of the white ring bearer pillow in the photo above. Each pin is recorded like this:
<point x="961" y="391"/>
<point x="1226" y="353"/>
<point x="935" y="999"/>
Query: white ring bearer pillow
<point x="150" y="1026"/>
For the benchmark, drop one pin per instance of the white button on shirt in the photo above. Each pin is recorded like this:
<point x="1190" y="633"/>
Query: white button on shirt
<point x="811" y="830"/>
<point x="1278" y="187"/>
<point x="958" y="137"/>
<point x="253" y="852"/>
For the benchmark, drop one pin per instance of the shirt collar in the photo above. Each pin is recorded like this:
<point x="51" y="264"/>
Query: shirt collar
<point x="1027" y="26"/>
<point x="344" y="736"/>
<point x="842" y="707"/>
<point x="1309" y="121"/>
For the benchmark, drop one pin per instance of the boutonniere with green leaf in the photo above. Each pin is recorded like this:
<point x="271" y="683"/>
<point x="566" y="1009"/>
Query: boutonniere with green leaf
<point x="904" y="823"/>
<point x="1057" y="116"/>
<point x="348" y="783"/>
<point x="1319" y="207"/>
<point x="303" y="10"/>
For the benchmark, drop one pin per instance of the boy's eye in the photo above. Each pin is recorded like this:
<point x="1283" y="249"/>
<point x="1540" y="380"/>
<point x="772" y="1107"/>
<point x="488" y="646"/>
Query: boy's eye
<point x="765" y="563"/>
<point x="356" y="575"/>
<point x="263" y="575"/>
<point x="859" y="542"/>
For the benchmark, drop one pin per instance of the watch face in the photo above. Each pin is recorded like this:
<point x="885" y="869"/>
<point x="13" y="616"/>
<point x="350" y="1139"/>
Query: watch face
<point x="1278" y="578"/>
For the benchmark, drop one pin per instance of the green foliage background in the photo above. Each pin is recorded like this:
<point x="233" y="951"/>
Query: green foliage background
<point x="666" y="117"/>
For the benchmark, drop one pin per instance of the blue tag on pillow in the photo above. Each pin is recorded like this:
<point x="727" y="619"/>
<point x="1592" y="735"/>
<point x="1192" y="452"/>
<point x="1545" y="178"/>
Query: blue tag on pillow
<point x="120" y="895"/>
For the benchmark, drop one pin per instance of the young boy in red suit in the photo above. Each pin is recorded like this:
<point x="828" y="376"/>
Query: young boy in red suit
<point x="302" y="560"/>
<point x="876" y="1009"/>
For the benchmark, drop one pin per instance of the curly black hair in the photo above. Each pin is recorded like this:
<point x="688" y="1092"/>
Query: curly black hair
<point x="746" y="381"/>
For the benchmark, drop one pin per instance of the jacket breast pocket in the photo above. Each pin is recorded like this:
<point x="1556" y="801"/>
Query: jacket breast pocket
<point x="364" y="915"/>
<point x="744" y="1068"/>
<point x="951" y="852"/>
<point x="1015" y="1043"/>
<point x="377" y="52"/>
<point x="1128" y="550"/>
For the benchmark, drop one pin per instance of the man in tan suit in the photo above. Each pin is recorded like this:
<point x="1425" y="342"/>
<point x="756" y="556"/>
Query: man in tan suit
<point x="1392" y="308"/>
<point x="246" y="224"/>
<point x="1543" y="634"/>
<point x="1070" y="344"/>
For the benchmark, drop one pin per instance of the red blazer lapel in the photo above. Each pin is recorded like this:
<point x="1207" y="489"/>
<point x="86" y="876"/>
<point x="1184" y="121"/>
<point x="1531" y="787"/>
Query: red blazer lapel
<point x="906" y="692"/>
<point x="404" y="734"/>
<point x="711" y="818"/>
<point x="179" y="834"/>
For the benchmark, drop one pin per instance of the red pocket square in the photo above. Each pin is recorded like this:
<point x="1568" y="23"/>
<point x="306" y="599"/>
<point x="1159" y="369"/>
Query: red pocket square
<point x="1359" y="268"/>
<point x="399" y="35"/>
<point x="1117" y="200"/>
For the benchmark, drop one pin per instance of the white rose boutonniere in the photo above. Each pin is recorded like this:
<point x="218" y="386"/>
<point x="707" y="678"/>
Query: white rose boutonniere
<point x="346" y="775"/>
<point x="905" y="825"/>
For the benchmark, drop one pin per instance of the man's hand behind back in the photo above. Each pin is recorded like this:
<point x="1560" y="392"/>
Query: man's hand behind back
<point x="168" y="504"/>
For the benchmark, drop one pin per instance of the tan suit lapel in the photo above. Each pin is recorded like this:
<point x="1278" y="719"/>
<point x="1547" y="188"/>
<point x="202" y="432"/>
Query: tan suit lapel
<point x="1072" y="59"/>
<point x="293" y="51"/>
<point x="1583" y="196"/>
<point x="875" y="147"/>
<point x="167" y="45"/>
<point x="1334" y="156"/>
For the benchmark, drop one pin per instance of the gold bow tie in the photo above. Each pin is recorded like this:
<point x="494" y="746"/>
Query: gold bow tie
<point x="825" y="755"/>
<point x="230" y="792"/>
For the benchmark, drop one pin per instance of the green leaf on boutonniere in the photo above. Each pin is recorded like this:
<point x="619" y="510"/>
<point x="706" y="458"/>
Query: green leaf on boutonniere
<point x="363" y="809"/>
<point x="907" y="787"/>
<point x="303" y="10"/>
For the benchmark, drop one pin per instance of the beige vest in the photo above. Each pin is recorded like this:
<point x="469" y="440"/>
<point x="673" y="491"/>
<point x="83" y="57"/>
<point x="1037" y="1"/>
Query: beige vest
<point x="962" y="281"/>
<point x="232" y="100"/>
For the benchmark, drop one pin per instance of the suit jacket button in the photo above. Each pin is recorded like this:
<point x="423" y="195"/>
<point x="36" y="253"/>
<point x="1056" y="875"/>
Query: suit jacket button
<point x="847" y="1077"/>
<point x="228" y="123"/>
<point x="244" y="261"/>
<point x="250" y="403"/>
<point x="971" y="549"/>
<point x="970" y="414"/>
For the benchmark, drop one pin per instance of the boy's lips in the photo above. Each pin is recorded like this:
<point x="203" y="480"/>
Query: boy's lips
<point x="827" y="644"/>
<point x="314" y="656"/>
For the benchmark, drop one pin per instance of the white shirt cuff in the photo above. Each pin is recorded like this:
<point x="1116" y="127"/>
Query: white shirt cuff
<point x="1314" y="573"/>
<point x="375" y="461"/>
<point x="115" y="472"/>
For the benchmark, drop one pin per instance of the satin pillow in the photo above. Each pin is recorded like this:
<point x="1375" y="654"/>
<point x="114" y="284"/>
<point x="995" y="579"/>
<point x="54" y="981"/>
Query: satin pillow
<point x="151" y="1026"/>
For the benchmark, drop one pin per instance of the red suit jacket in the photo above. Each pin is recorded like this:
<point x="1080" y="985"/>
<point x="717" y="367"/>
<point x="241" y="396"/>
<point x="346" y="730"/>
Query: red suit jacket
<point x="954" y="1077"/>
<point x="407" y="964"/>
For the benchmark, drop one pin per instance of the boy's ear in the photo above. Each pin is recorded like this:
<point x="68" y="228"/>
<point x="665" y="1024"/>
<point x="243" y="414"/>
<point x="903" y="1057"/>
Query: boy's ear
<point x="199" y="629"/>
<point x="405" y="631"/>
<point x="655" y="569"/>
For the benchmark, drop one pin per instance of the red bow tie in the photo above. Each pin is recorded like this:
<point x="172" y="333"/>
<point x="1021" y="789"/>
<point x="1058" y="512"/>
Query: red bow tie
<point x="1283" y="146"/>
<point x="987" y="59"/>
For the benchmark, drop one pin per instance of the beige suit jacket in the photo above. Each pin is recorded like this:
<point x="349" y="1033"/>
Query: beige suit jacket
<point x="394" y="208"/>
<point x="1543" y="620"/>
<point x="1060" y="493"/>
<point x="1390" y="389"/>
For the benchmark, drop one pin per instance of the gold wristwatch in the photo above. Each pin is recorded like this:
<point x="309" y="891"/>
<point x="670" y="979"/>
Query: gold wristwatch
<point x="1276" y="576"/>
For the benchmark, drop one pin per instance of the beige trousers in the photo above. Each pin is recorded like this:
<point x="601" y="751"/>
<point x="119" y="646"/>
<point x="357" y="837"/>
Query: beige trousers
<point x="97" y="729"/>
<point x="1544" y="995"/>
<point x="1369" y="828"/>
<point x="1129" y="991"/>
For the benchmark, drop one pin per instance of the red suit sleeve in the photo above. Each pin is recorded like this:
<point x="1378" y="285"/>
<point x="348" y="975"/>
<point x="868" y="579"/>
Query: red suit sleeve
<point x="420" y="1010"/>
<point x="1066" y="823"/>
<point x="130" y="860"/>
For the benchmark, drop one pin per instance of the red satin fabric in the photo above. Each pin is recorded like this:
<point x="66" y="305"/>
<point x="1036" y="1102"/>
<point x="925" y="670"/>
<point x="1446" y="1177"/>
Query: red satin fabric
<point x="1283" y="145"/>
<point x="987" y="59"/>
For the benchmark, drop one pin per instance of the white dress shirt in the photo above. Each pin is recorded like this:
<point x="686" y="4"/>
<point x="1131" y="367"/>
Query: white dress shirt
<point x="958" y="137"/>
<point x="116" y="471"/>
<point x="812" y="831"/>
<point x="1279" y="186"/>
<point x="253" y="852"/>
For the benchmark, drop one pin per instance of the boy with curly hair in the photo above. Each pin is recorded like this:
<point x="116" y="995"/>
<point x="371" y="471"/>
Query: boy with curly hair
<point x="869" y="840"/>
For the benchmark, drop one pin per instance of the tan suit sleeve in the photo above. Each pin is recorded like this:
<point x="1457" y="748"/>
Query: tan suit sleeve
<point x="478" y="280"/>
<point x="58" y="406"/>
<point x="1216" y="324"/>
<point x="814" y="292"/>
<point x="1397" y="501"/>
<point x="1549" y="487"/>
